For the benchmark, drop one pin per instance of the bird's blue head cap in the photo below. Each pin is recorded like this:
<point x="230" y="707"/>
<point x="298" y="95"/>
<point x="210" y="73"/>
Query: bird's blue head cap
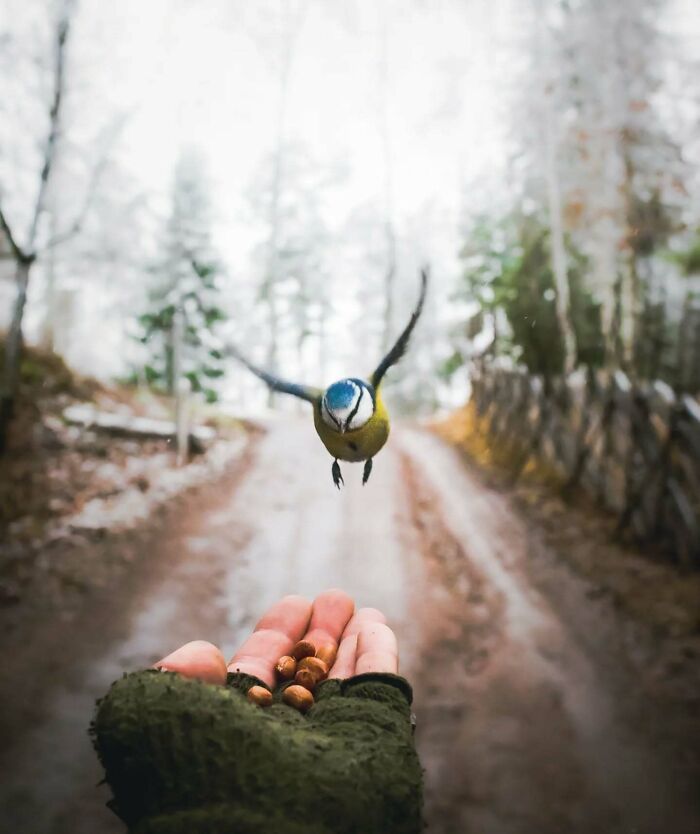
<point x="341" y="394"/>
<point x="347" y="404"/>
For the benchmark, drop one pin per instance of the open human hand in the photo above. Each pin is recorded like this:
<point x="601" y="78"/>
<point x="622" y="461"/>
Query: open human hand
<point x="184" y="750"/>
<point x="365" y="643"/>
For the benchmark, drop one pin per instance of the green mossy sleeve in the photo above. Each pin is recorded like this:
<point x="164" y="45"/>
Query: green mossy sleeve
<point x="184" y="756"/>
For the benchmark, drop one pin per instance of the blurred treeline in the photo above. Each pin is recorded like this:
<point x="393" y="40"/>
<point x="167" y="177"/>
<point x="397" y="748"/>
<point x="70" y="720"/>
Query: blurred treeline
<point x="593" y="259"/>
<point x="583" y="250"/>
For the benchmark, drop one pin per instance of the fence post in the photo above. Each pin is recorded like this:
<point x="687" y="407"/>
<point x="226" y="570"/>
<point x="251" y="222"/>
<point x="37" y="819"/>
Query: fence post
<point x="182" y="392"/>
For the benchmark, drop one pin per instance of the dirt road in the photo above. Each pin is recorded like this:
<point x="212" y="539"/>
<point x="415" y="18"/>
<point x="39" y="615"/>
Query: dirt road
<point x="527" y="718"/>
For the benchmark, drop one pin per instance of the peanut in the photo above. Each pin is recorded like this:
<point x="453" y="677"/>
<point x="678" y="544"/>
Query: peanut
<point x="315" y="665"/>
<point x="327" y="654"/>
<point x="303" y="649"/>
<point x="286" y="668"/>
<point x="260" y="696"/>
<point x="306" y="678"/>
<point x="298" y="697"/>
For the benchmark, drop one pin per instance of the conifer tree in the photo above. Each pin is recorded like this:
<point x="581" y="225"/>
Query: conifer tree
<point x="185" y="283"/>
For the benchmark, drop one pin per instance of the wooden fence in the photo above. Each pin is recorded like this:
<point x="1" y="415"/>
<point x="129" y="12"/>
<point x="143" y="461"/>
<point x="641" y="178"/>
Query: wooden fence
<point x="635" y="448"/>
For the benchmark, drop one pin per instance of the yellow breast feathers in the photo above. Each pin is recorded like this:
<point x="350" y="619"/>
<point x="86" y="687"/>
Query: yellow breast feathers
<point x="359" y="444"/>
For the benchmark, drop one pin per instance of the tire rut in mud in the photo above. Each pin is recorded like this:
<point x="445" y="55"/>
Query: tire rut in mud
<point x="498" y="746"/>
<point x="461" y="625"/>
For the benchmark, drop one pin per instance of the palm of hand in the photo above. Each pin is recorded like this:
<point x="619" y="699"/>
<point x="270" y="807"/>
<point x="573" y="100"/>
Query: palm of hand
<point x="348" y="766"/>
<point x="365" y="642"/>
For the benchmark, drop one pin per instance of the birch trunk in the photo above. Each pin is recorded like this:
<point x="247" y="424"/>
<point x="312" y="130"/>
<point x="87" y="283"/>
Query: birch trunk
<point x="547" y="83"/>
<point x="558" y="246"/>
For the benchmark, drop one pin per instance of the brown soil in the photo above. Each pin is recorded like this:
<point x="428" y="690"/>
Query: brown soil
<point x="538" y="709"/>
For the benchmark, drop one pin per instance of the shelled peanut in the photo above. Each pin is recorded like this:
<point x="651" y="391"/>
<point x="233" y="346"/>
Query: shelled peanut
<point x="307" y="666"/>
<point x="298" y="697"/>
<point x="286" y="668"/>
<point x="260" y="695"/>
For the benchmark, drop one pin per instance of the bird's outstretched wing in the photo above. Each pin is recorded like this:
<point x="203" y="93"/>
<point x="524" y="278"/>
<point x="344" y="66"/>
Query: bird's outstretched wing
<point x="399" y="348"/>
<point x="304" y="392"/>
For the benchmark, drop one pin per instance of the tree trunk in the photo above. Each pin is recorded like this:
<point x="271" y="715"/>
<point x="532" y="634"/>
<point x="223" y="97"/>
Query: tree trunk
<point x="631" y="295"/>
<point x="292" y="23"/>
<point x="25" y="256"/>
<point x="389" y="280"/>
<point x="13" y="354"/>
<point x="556" y="226"/>
<point x="48" y="330"/>
<point x="389" y="232"/>
<point x="181" y="387"/>
<point x="273" y="336"/>
<point x="559" y="259"/>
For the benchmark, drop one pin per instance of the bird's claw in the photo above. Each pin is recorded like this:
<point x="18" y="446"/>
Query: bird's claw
<point x="367" y="471"/>
<point x="337" y="474"/>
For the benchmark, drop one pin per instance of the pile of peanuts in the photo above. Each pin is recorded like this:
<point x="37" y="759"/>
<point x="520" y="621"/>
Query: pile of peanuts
<point x="307" y="666"/>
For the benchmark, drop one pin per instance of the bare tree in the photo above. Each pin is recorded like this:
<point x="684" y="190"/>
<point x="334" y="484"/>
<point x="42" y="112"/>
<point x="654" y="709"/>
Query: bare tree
<point x="25" y="252"/>
<point x="385" y="137"/>
<point x="27" y="249"/>
<point x="291" y="23"/>
<point x="625" y="171"/>
<point x="560" y="270"/>
<point x="547" y="87"/>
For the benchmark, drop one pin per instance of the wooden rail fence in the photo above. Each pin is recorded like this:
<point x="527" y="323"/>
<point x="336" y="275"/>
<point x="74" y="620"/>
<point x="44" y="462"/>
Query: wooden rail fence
<point x="634" y="447"/>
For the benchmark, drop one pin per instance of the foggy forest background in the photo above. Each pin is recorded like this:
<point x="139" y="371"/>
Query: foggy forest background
<point x="279" y="172"/>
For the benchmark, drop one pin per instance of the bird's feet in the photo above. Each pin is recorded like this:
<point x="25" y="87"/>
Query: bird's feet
<point x="337" y="474"/>
<point x="367" y="471"/>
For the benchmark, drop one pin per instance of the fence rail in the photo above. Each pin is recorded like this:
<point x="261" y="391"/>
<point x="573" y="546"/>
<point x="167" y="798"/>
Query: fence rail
<point x="634" y="447"/>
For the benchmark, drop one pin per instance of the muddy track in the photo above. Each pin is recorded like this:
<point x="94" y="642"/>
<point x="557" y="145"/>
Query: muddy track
<point x="521" y="725"/>
<point x="526" y="727"/>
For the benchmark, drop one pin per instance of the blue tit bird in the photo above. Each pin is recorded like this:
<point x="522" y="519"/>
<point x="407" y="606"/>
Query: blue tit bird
<point x="349" y="416"/>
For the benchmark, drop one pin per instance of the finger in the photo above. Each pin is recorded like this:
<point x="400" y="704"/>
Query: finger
<point x="363" y="617"/>
<point x="377" y="650"/>
<point x="331" y="612"/>
<point x="278" y="630"/>
<point x="197" y="659"/>
<point x="344" y="666"/>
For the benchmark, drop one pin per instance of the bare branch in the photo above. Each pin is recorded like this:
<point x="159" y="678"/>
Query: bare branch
<point x="91" y="190"/>
<point x="62" y="30"/>
<point x="77" y="225"/>
<point x="16" y="250"/>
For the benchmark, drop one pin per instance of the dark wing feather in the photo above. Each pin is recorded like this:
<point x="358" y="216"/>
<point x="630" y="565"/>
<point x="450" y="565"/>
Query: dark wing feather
<point x="304" y="392"/>
<point x="402" y="342"/>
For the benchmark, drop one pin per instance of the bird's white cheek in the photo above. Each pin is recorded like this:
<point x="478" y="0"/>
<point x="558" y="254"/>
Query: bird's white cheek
<point x="364" y="412"/>
<point x="327" y="419"/>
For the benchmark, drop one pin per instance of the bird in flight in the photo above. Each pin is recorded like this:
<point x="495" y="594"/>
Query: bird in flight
<point x="349" y="416"/>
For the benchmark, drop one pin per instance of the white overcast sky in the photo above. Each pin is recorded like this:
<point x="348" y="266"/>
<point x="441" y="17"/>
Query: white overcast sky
<point x="202" y="74"/>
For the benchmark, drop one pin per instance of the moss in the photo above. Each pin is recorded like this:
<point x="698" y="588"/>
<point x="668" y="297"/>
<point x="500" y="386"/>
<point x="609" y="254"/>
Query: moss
<point x="42" y="373"/>
<point x="181" y="755"/>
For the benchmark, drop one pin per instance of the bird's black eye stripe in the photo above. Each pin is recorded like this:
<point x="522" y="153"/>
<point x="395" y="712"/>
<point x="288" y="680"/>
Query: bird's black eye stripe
<point x="365" y="386"/>
<point x="354" y="411"/>
<point x="331" y="415"/>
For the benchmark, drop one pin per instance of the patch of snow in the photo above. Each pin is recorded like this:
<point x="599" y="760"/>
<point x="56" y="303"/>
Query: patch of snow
<point x="132" y="505"/>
